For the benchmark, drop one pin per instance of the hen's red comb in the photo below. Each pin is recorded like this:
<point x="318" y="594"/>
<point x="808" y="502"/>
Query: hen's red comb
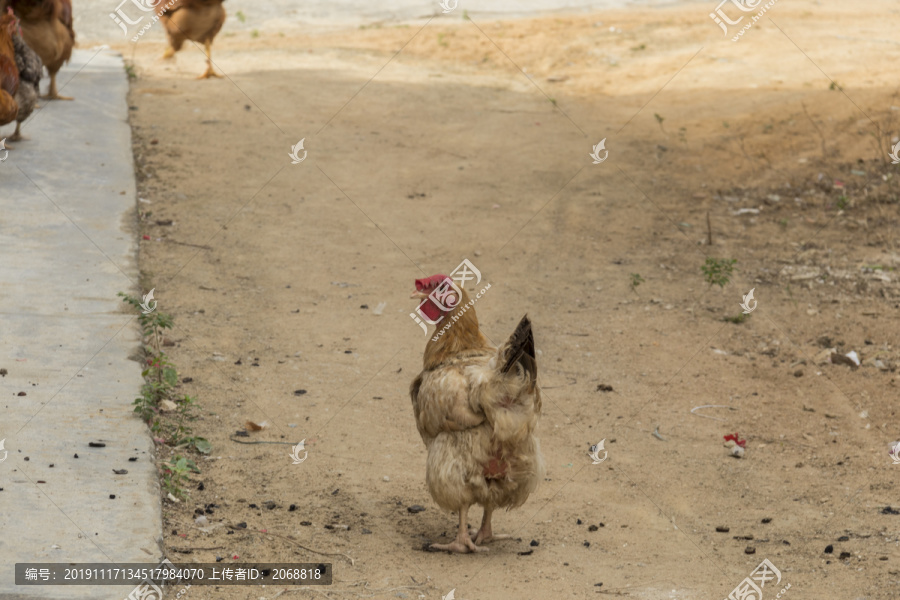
<point x="428" y="283"/>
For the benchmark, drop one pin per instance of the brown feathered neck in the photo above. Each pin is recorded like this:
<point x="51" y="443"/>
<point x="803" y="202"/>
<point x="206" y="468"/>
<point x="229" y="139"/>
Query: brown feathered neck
<point x="463" y="334"/>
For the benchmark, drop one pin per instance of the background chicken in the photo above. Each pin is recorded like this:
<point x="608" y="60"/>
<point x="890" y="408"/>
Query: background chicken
<point x="476" y="409"/>
<point x="47" y="29"/>
<point x="195" y="20"/>
<point x="30" y="67"/>
<point x="9" y="74"/>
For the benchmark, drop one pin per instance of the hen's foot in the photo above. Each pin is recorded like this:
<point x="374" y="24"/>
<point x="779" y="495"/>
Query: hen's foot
<point x="480" y="536"/>
<point x="462" y="546"/>
<point x="209" y="73"/>
<point x="56" y="96"/>
<point x="169" y="53"/>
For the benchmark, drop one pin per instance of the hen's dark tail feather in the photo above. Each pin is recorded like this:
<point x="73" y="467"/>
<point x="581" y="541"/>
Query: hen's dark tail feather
<point x="519" y="348"/>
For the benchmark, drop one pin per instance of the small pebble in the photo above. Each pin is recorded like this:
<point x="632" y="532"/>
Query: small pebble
<point x="112" y="496"/>
<point x="578" y="521"/>
<point x="535" y="543"/>
<point x="587" y="544"/>
<point x="593" y="528"/>
<point x="292" y="508"/>
<point x="844" y="538"/>
<point x="305" y="523"/>
<point x="722" y="529"/>
<point x="415" y="508"/>
<point x="76" y="456"/>
<point x="749" y="550"/>
<point x="386" y="478"/>
<point x="845" y="555"/>
<point x="767" y="520"/>
<point x="798" y="373"/>
<point x="829" y="549"/>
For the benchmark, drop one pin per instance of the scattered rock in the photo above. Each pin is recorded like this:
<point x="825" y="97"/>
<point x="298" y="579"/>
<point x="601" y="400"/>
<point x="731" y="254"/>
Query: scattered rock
<point x="117" y="471"/>
<point x="723" y="529"/>
<point x="604" y="388"/>
<point x="887" y="510"/>
<point x="749" y="550"/>
<point x="415" y="508"/>
<point x="593" y="528"/>
<point x="767" y="520"/>
<point x="96" y="444"/>
<point x="299" y="392"/>
<point x="845" y="555"/>
<point x="534" y="543"/>
<point x="844" y="538"/>
<point x="798" y="373"/>
<point x="829" y="549"/>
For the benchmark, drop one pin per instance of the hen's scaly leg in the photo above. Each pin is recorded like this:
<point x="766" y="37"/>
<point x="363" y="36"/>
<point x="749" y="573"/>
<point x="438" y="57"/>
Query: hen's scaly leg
<point x="209" y="68"/>
<point x="15" y="137"/>
<point x="53" y="94"/>
<point x="463" y="543"/>
<point x="485" y="534"/>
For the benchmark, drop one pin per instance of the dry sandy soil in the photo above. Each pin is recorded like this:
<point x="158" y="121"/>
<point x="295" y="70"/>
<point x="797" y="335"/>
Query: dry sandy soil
<point x="433" y="142"/>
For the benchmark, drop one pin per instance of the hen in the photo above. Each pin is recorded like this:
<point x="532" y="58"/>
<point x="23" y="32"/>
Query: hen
<point x="195" y="20"/>
<point x="30" y="67"/>
<point x="47" y="28"/>
<point x="9" y="74"/>
<point x="476" y="408"/>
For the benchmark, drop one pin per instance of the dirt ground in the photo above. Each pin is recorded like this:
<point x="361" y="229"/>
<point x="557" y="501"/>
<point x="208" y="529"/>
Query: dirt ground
<point x="427" y="145"/>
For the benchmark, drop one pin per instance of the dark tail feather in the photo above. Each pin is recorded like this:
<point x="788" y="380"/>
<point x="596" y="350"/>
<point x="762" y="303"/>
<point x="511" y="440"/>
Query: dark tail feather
<point x="519" y="348"/>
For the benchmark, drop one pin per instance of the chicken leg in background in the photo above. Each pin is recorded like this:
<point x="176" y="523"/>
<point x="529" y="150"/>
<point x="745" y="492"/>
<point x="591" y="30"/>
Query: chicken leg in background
<point x="9" y="73"/>
<point x="47" y="29"/>
<point x="30" y="70"/>
<point x="476" y="409"/>
<point x="194" y="20"/>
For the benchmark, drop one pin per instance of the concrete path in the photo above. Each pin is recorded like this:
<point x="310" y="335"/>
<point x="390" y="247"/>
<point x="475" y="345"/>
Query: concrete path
<point x="67" y="246"/>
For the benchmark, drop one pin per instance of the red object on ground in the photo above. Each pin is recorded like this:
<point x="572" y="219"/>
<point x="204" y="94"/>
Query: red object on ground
<point x="734" y="436"/>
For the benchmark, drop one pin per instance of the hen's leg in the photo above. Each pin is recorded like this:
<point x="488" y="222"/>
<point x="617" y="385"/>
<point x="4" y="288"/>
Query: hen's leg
<point x="463" y="543"/>
<point x="485" y="534"/>
<point x="15" y="137"/>
<point x="53" y="94"/>
<point x="209" y="68"/>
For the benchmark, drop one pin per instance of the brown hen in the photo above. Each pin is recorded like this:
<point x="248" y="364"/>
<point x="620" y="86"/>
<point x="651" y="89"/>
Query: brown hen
<point x="476" y="408"/>
<point x="195" y="20"/>
<point x="9" y="73"/>
<point x="47" y="29"/>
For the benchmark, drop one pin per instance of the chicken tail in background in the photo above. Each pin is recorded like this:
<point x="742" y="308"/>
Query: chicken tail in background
<point x="9" y="73"/>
